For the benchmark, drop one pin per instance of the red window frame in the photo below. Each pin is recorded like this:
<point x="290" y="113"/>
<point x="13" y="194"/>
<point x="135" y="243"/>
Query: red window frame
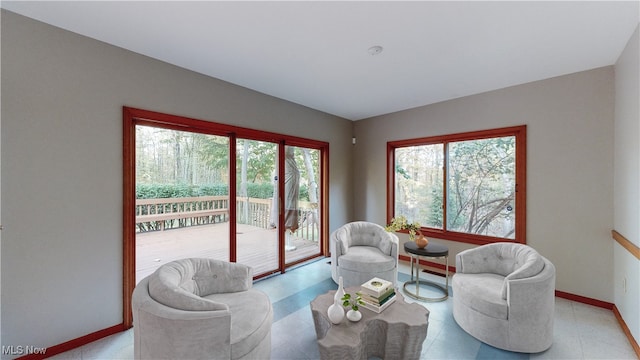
<point x="520" y="133"/>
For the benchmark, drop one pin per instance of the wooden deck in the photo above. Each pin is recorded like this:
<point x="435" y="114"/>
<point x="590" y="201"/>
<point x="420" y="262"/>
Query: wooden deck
<point x="256" y="247"/>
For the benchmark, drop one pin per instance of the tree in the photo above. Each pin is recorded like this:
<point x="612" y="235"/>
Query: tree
<point x="482" y="186"/>
<point x="312" y="218"/>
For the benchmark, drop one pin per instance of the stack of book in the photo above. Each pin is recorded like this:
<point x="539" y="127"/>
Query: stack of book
<point x="377" y="294"/>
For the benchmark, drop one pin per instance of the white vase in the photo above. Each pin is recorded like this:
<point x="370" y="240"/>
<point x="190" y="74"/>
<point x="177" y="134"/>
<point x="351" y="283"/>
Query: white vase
<point x="354" y="315"/>
<point x="340" y="293"/>
<point x="336" y="312"/>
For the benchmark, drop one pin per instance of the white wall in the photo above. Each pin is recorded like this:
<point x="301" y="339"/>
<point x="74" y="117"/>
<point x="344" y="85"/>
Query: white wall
<point x="627" y="183"/>
<point x="569" y="166"/>
<point x="62" y="98"/>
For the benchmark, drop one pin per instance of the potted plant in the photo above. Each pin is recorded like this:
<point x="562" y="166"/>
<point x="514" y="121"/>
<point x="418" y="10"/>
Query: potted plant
<point x="354" y="302"/>
<point x="401" y="223"/>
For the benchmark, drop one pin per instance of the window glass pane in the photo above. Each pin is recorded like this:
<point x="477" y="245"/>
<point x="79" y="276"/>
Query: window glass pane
<point x="419" y="184"/>
<point x="481" y="187"/>
<point x="302" y="203"/>
<point x="256" y="165"/>
<point x="182" y="197"/>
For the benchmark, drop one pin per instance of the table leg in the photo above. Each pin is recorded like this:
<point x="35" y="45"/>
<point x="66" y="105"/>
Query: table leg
<point x="446" y="274"/>
<point x="411" y="261"/>
<point x="418" y="276"/>
<point x="417" y="282"/>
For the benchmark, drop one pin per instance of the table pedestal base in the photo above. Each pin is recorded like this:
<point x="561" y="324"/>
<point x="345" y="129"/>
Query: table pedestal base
<point x="417" y="282"/>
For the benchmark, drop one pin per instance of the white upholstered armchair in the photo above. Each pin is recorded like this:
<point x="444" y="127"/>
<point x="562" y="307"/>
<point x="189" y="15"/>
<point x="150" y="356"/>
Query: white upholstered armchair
<point x="504" y="295"/>
<point x="361" y="251"/>
<point x="201" y="309"/>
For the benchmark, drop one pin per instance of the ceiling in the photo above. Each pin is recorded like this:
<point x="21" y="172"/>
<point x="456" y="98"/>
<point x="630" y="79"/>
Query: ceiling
<point x="316" y="53"/>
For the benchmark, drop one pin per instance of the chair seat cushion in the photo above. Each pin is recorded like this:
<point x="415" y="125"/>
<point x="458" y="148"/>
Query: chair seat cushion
<point x="366" y="259"/>
<point x="482" y="293"/>
<point x="251" y="317"/>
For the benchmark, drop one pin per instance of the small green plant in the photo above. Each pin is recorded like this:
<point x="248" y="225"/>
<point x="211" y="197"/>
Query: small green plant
<point x="353" y="301"/>
<point x="401" y="223"/>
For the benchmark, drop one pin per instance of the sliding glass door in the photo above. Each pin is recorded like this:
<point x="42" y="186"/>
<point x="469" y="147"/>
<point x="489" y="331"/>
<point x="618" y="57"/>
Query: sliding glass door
<point x="195" y="188"/>
<point x="256" y="218"/>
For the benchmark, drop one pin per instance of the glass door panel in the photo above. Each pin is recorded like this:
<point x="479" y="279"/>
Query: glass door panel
<point x="302" y="203"/>
<point x="256" y="211"/>
<point x="182" y="197"/>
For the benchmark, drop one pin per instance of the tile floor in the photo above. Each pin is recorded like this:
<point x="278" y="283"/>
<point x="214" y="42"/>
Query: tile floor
<point x="581" y="331"/>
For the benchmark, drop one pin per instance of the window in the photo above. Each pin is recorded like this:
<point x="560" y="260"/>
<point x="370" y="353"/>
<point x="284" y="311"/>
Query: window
<point x="467" y="187"/>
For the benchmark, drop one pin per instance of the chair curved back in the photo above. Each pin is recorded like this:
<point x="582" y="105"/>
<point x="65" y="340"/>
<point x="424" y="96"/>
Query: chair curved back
<point x="510" y="260"/>
<point x="365" y="263"/>
<point x="504" y="295"/>
<point x="362" y="233"/>
<point x="186" y="310"/>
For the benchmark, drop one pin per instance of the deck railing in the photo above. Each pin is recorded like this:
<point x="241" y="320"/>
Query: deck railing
<point x="168" y="213"/>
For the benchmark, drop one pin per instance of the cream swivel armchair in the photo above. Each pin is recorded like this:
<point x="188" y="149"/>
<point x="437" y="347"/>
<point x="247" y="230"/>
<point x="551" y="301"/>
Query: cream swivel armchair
<point x="201" y="309"/>
<point x="504" y="295"/>
<point x="361" y="251"/>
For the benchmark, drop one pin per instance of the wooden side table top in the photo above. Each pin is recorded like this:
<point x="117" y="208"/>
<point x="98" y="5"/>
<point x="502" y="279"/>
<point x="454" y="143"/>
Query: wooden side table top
<point x="396" y="333"/>
<point x="433" y="249"/>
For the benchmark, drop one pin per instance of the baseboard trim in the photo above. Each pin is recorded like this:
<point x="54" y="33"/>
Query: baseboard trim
<point x="429" y="266"/>
<point x="627" y="332"/>
<point x="584" y="300"/>
<point x="75" y="343"/>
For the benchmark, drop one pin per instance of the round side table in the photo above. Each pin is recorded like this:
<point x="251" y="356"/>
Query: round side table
<point x="433" y="250"/>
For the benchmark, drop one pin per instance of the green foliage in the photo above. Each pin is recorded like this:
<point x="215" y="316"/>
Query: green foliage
<point x="480" y="185"/>
<point x="401" y="171"/>
<point x="419" y="178"/>
<point x="304" y="193"/>
<point x="214" y="150"/>
<point x="173" y="163"/>
<point x="213" y="190"/>
<point x="260" y="191"/>
<point x="353" y="301"/>
<point x="260" y="159"/>
<point x="435" y="216"/>
<point x="161" y="191"/>
<point x="400" y="223"/>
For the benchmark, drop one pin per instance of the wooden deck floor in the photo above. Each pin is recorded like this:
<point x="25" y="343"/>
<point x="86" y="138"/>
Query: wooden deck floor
<point x="256" y="247"/>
